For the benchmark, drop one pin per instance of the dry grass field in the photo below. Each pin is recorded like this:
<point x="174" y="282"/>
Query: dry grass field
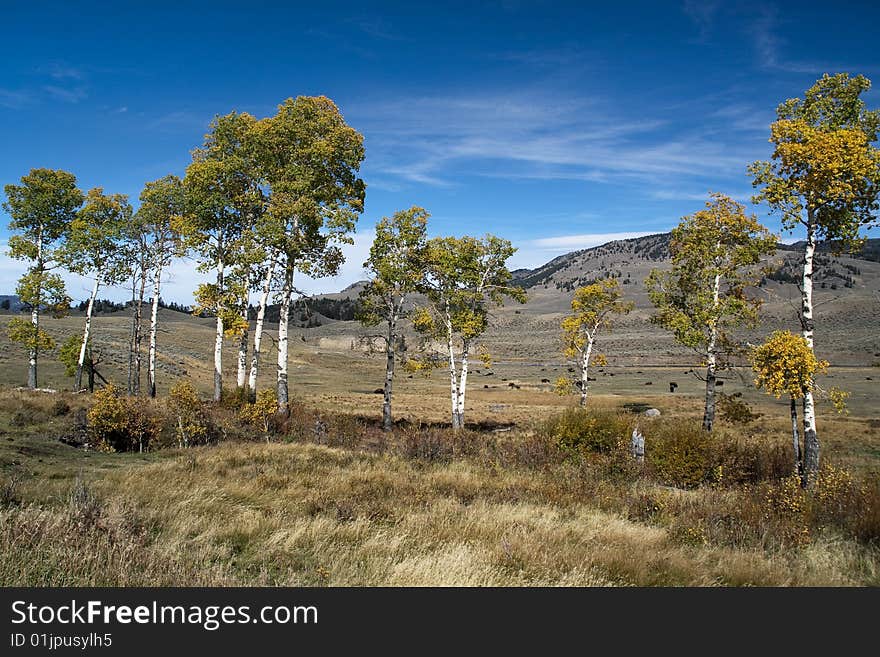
<point x="331" y="500"/>
<point x="354" y="507"/>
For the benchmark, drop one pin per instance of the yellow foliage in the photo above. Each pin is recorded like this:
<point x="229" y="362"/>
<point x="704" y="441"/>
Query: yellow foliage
<point x="192" y="423"/>
<point x="262" y="410"/>
<point x="785" y="364"/>
<point x="484" y="356"/>
<point x="119" y="424"/>
<point x="563" y="386"/>
<point x="838" y="399"/>
<point x="835" y="162"/>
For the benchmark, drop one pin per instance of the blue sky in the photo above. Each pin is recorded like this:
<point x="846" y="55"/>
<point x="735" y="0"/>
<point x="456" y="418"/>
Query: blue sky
<point x="558" y="126"/>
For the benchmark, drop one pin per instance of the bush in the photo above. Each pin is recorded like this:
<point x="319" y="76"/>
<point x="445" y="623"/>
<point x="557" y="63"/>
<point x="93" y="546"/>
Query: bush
<point x="262" y="412"/>
<point x="192" y="424"/>
<point x="59" y="407"/>
<point x="577" y="430"/>
<point x="733" y="410"/>
<point x="432" y="445"/>
<point x="681" y="454"/>
<point x="122" y="424"/>
<point x="235" y="398"/>
<point x="748" y="461"/>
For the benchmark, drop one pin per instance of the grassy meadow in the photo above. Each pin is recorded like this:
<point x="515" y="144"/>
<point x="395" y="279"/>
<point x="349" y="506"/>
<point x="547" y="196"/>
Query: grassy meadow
<point x="333" y="501"/>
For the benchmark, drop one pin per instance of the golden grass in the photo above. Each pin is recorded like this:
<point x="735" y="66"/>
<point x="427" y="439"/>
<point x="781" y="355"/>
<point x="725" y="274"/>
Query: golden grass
<point x="299" y="514"/>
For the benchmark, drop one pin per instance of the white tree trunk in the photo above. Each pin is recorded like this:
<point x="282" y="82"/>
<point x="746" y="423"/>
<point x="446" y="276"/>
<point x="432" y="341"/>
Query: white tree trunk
<point x="387" y="420"/>
<point x="585" y="369"/>
<point x="154" y="329"/>
<point x="286" y="293"/>
<point x="241" y="375"/>
<point x="258" y="335"/>
<point x="462" y="382"/>
<point x="453" y="385"/>
<point x="35" y="318"/>
<point x="131" y="336"/>
<point x="77" y="384"/>
<point x="712" y="360"/>
<point x="218" y="342"/>
<point x="32" y="355"/>
<point x="811" y="439"/>
<point x="138" y="332"/>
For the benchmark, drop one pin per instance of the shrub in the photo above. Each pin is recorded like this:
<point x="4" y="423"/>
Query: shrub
<point x="747" y="461"/>
<point x="262" y="411"/>
<point x="431" y="445"/>
<point x="733" y="410"/>
<point x="119" y="424"/>
<point x="577" y="430"/>
<point x="59" y="407"/>
<point x="192" y="423"/>
<point x="235" y="398"/>
<point x="680" y="453"/>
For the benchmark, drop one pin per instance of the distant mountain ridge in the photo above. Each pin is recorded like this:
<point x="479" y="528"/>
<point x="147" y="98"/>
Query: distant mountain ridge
<point x="578" y="265"/>
<point x="653" y="248"/>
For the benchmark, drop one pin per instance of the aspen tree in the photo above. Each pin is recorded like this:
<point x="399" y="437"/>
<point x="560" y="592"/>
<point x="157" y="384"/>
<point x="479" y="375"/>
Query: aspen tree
<point x="42" y="208"/>
<point x="395" y="269"/>
<point x="704" y="295"/>
<point x="824" y="177"/>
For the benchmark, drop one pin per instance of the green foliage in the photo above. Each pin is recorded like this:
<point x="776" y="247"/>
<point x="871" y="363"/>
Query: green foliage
<point x="30" y="337"/>
<point x="464" y="279"/>
<point x="44" y="291"/>
<point x="93" y="245"/>
<point x="733" y="409"/>
<point x="592" y="309"/>
<point x="222" y="202"/>
<point x="41" y="208"/>
<point x="395" y="266"/>
<point x="309" y="159"/>
<point x="713" y="255"/>
<point x="578" y="430"/>
<point x="162" y="210"/>
<point x="68" y="354"/>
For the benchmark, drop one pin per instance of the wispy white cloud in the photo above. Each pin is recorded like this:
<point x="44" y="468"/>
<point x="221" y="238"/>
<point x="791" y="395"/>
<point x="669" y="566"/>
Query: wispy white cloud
<point x="64" y="71"/>
<point x="66" y="94"/>
<point x="684" y="195"/>
<point x="703" y="14"/>
<point x="554" y="58"/>
<point x="770" y="45"/>
<point x="535" y="134"/>
<point x="15" y="98"/>
<point x="584" y="241"/>
<point x="178" y="120"/>
<point x="378" y="28"/>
